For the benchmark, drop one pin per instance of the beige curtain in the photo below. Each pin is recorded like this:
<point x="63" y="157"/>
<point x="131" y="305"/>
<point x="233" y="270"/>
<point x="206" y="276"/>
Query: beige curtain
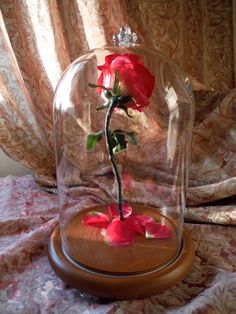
<point x="38" y="41"/>
<point x="198" y="34"/>
<point x="39" y="38"/>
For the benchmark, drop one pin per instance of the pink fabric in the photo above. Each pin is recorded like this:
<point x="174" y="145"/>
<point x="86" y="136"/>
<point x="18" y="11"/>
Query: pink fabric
<point x="28" y="284"/>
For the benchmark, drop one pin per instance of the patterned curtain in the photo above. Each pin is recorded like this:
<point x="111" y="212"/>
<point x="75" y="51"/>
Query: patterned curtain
<point x="39" y="39"/>
<point x="198" y="34"/>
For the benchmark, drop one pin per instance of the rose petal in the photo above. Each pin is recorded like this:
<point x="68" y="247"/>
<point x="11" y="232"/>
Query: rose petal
<point x="96" y="219"/>
<point x="111" y="57"/>
<point x="119" y="233"/>
<point x="114" y="211"/>
<point x="139" y="229"/>
<point x="121" y="61"/>
<point x="132" y="82"/>
<point x="157" y="231"/>
<point x="142" y="219"/>
<point x="106" y="78"/>
<point x="134" y="58"/>
<point x="139" y="222"/>
<point x="135" y="79"/>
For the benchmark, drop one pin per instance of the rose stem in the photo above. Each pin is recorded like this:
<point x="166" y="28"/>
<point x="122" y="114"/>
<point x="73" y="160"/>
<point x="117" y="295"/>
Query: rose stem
<point x="112" y="104"/>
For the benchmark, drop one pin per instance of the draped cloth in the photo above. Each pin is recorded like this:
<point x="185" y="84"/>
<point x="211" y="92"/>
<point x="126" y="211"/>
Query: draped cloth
<point x="38" y="40"/>
<point x="28" y="284"/>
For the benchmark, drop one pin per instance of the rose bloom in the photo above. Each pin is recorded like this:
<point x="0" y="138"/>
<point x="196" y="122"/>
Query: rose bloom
<point x="134" y="78"/>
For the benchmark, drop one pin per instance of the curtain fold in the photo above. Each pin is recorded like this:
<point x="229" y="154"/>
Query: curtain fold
<point x="39" y="39"/>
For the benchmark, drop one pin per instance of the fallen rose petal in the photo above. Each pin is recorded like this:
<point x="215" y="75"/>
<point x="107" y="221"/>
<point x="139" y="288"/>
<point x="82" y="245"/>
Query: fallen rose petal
<point x="114" y="211"/>
<point x="157" y="231"/>
<point x="119" y="233"/>
<point x="141" y="219"/>
<point x="139" y="222"/>
<point x="96" y="219"/>
<point x="139" y="229"/>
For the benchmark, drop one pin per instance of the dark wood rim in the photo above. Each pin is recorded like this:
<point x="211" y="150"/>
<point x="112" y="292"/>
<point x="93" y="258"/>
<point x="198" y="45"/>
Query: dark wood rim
<point x="120" y="287"/>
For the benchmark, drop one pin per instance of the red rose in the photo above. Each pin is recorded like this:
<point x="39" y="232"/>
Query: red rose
<point x="134" y="78"/>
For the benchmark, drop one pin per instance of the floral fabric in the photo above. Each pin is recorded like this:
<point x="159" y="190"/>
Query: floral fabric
<point x="37" y="43"/>
<point x="28" y="285"/>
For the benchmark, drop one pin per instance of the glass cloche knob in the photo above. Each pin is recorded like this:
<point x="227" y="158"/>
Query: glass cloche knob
<point x="125" y="38"/>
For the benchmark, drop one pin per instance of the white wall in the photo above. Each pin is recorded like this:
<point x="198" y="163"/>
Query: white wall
<point x="9" y="166"/>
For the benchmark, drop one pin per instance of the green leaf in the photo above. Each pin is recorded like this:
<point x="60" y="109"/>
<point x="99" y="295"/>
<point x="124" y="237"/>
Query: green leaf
<point x="116" y="88"/>
<point x="118" y="149"/>
<point x="118" y="140"/>
<point x="132" y="138"/>
<point x="93" y="138"/>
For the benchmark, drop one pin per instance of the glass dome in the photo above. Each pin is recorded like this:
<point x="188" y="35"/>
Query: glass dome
<point x="151" y="146"/>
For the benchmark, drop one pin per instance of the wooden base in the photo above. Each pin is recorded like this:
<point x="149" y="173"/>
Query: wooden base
<point x="107" y="282"/>
<point x="86" y="246"/>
